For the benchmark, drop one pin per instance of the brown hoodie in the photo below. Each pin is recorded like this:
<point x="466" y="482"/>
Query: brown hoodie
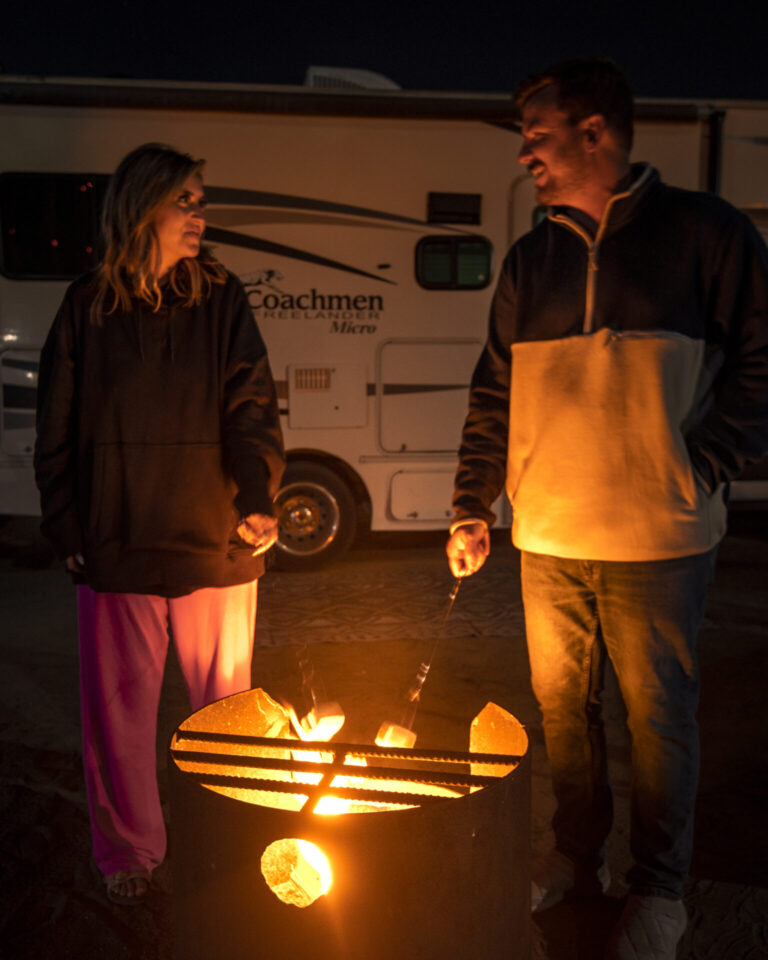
<point x="156" y="432"/>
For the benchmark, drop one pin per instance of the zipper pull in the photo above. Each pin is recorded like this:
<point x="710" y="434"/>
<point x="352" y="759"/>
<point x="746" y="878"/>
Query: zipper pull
<point x="592" y="253"/>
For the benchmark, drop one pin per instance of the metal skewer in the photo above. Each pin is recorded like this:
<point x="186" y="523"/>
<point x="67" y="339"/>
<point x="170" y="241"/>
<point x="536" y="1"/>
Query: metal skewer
<point x="401" y="734"/>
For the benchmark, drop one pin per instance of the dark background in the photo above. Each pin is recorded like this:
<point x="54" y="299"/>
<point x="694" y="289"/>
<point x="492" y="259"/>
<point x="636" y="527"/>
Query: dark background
<point x="673" y="49"/>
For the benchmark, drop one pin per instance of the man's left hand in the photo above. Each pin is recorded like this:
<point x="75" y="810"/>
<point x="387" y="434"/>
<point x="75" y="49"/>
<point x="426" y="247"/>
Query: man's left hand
<point x="259" y="530"/>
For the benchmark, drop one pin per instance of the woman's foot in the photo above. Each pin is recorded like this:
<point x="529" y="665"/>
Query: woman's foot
<point x="128" y="887"/>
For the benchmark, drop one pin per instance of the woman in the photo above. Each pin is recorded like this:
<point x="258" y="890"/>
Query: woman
<point x="158" y="454"/>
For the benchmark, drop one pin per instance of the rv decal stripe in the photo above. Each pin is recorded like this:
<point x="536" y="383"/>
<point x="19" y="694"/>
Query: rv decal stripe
<point x="233" y="239"/>
<point x="258" y="198"/>
<point x="390" y="389"/>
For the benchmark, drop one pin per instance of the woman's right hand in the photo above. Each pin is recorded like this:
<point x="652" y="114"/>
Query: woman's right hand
<point x="75" y="563"/>
<point x="260" y="530"/>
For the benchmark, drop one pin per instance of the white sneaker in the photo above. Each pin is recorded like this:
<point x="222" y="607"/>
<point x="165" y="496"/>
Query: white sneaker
<point x="553" y="875"/>
<point x="649" y="928"/>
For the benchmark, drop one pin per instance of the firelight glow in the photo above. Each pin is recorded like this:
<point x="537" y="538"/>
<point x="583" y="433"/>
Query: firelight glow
<point x="318" y="861"/>
<point x="321" y="723"/>
<point x="333" y="806"/>
<point x="296" y="871"/>
<point x="395" y="735"/>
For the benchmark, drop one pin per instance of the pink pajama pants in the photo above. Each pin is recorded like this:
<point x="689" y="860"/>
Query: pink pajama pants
<point x="123" y="647"/>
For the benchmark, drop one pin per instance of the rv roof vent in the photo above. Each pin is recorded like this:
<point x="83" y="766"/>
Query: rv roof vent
<point x="454" y="208"/>
<point x="348" y="79"/>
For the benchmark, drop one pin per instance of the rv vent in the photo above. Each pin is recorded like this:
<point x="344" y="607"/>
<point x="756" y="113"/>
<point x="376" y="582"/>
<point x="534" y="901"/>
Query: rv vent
<point x="454" y="208"/>
<point x="312" y="378"/>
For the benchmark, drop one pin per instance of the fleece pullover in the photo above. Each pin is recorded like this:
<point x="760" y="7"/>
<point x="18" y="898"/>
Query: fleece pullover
<point x="624" y="381"/>
<point x="157" y="431"/>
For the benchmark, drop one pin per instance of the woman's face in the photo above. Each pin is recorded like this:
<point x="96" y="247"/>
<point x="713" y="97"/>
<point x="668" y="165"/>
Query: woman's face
<point x="180" y="222"/>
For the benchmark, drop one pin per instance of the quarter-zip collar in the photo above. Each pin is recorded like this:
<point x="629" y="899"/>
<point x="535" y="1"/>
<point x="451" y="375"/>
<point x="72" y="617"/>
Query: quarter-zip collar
<point x="619" y="210"/>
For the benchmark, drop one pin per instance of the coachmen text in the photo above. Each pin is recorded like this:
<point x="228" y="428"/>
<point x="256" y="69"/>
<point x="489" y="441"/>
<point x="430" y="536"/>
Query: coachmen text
<point x="348" y="313"/>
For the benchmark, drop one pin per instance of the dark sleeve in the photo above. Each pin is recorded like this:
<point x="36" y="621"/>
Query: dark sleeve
<point x="252" y="439"/>
<point x="56" y="444"/>
<point x="483" y="452"/>
<point x="734" y="431"/>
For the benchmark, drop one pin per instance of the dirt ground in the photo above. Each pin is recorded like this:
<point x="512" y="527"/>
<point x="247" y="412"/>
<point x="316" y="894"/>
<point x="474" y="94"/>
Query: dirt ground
<point x="365" y="624"/>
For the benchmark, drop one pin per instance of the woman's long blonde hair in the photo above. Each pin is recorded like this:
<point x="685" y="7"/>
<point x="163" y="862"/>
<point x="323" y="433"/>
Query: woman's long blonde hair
<point x="146" y="179"/>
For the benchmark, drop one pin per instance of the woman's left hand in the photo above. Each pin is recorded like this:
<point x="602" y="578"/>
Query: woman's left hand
<point x="259" y="530"/>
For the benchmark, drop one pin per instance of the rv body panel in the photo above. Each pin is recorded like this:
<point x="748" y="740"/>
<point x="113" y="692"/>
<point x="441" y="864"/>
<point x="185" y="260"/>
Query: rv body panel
<point x="325" y="218"/>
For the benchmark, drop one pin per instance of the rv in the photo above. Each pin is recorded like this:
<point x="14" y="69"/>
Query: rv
<point x="367" y="226"/>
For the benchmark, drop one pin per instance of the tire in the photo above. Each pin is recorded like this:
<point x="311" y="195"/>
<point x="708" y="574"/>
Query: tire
<point x="318" y="517"/>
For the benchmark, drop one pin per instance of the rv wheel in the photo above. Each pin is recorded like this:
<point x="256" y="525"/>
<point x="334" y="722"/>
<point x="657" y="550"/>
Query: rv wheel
<point x="317" y="516"/>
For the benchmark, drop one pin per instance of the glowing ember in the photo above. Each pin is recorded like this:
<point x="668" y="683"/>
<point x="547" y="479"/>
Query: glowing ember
<point x="296" y="871"/>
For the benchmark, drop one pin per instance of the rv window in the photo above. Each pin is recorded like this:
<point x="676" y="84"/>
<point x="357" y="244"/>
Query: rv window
<point x="49" y="224"/>
<point x="436" y="267"/>
<point x="453" y="263"/>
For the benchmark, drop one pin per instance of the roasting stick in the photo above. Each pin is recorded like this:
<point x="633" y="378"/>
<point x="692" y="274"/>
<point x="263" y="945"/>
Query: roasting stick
<point x="401" y="734"/>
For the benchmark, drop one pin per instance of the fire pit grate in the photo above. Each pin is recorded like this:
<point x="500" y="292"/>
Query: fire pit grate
<point x="425" y="767"/>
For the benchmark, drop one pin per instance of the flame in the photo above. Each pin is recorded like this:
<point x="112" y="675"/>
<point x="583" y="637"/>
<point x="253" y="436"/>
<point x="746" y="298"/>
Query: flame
<point x="318" y="861"/>
<point x="321" y="723"/>
<point x="333" y="806"/>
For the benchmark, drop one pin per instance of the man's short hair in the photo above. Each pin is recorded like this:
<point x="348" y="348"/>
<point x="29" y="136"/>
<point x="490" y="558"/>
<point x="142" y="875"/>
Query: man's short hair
<point x="584" y="87"/>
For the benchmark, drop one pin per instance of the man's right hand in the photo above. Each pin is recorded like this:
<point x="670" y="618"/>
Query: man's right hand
<point x="467" y="548"/>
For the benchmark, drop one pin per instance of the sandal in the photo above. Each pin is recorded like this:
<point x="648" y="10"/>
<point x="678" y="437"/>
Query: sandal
<point x="115" y="881"/>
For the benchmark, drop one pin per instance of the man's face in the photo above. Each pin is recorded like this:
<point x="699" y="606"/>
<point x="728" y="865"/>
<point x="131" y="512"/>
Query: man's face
<point x="554" y="151"/>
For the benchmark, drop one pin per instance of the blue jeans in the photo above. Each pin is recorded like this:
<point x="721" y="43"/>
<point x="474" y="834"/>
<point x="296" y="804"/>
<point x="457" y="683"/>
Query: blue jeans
<point x="645" y="617"/>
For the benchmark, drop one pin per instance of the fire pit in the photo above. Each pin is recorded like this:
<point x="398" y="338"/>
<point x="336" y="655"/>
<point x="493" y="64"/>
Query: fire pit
<point x="337" y="851"/>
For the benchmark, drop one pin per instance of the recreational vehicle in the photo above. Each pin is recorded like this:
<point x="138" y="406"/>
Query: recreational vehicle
<point x="367" y="227"/>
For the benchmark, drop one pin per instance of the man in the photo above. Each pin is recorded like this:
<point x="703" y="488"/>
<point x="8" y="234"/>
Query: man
<point x="624" y="382"/>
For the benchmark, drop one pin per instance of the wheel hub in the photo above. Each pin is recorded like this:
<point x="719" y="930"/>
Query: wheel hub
<point x="301" y="517"/>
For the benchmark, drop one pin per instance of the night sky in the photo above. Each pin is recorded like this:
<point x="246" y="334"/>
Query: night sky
<point x="672" y="49"/>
